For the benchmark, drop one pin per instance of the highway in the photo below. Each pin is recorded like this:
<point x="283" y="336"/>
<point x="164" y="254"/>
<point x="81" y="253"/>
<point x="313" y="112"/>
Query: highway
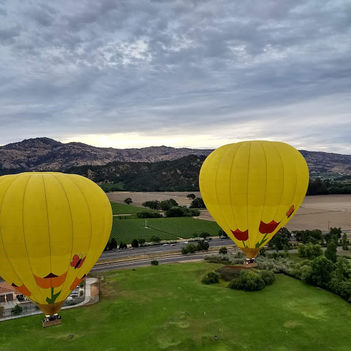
<point x="142" y="256"/>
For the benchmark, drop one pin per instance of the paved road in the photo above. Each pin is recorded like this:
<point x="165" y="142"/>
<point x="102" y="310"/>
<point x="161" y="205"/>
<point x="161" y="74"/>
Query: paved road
<point x="146" y="262"/>
<point x="157" y="249"/>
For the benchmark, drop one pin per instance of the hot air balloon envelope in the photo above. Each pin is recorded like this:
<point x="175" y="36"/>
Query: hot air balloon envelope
<point x="53" y="228"/>
<point x="252" y="189"/>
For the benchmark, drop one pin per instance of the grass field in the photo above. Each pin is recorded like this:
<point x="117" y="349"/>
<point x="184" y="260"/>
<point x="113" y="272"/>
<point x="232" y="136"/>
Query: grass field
<point x="118" y="208"/>
<point x="167" y="308"/>
<point x="166" y="228"/>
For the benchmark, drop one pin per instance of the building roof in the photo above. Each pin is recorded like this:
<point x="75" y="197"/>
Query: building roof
<point x="6" y="288"/>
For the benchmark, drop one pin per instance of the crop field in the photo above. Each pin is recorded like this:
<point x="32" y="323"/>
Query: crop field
<point x="166" y="228"/>
<point x="167" y="308"/>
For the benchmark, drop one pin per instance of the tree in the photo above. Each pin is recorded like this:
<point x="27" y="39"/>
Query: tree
<point x="135" y="243"/>
<point x="189" y="248"/>
<point x="112" y="244"/>
<point x="330" y="252"/>
<point x="309" y="236"/>
<point x="197" y="203"/>
<point x="204" y="235"/>
<point x="280" y="240"/>
<point x="191" y="196"/>
<point x="248" y="280"/>
<point x="309" y="250"/>
<point x="155" y="239"/>
<point x="154" y="205"/>
<point x="223" y="250"/>
<point x="202" y="245"/>
<point x="128" y="200"/>
<point x="344" y="242"/>
<point x="141" y="242"/>
<point x="334" y="234"/>
<point x="167" y="204"/>
<point x="148" y="214"/>
<point x="320" y="272"/>
<point x="122" y="245"/>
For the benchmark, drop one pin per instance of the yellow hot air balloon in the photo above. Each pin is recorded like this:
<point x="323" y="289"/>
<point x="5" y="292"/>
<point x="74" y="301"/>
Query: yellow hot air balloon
<point x="53" y="228"/>
<point x="252" y="189"/>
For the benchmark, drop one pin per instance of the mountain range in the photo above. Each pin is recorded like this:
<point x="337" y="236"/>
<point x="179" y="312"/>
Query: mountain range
<point x="102" y="164"/>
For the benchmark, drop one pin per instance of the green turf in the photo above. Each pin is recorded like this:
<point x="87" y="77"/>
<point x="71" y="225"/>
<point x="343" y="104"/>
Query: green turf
<point x="166" y="228"/>
<point x="118" y="208"/>
<point x="167" y="308"/>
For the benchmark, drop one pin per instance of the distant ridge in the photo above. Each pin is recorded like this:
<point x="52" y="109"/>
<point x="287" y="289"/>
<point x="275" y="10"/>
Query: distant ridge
<point x="40" y="154"/>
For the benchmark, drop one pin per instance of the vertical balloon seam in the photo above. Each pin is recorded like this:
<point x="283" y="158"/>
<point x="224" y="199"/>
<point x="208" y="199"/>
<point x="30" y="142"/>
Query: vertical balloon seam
<point x="24" y="237"/>
<point x="230" y="186"/>
<point x="283" y="187"/>
<point x="47" y="220"/>
<point x="1" y="236"/>
<point x="247" y="194"/>
<point x="265" y="189"/>
<point x="56" y="176"/>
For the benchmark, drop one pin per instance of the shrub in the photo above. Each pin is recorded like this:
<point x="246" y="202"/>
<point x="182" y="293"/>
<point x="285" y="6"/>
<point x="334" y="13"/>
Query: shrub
<point x="210" y="278"/>
<point x="344" y="242"/>
<point x="154" y="205"/>
<point x="309" y="250"/>
<point x="181" y="212"/>
<point x="197" y="203"/>
<point x="223" y="250"/>
<point x="135" y="243"/>
<point x="155" y="239"/>
<point x="154" y="263"/>
<point x="141" y="242"/>
<point x="16" y="310"/>
<point x="248" y="280"/>
<point x="202" y="245"/>
<point x="168" y="204"/>
<point x="189" y="248"/>
<point x="228" y="273"/>
<point x="122" y="245"/>
<point x="112" y="244"/>
<point x="128" y="200"/>
<point x="148" y="214"/>
<point x="268" y="277"/>
<point x="330" y="252"/>
<point x="191" y="196"/>
<point x="321" y="270"/>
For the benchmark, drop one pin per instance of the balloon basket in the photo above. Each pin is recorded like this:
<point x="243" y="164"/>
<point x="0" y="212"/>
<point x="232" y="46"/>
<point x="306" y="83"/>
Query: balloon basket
<point x="50" y="321"/>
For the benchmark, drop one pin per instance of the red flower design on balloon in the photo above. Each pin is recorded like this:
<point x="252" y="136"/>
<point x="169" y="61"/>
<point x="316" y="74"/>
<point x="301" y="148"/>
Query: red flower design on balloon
<point x="22" y="289"/>
<point x="267" y="228"/>
<point x="241" y="235"/>
<point x="77" y="261"/>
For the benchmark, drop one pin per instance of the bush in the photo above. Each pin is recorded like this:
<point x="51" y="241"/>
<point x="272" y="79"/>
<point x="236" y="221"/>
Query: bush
<point x="189" y="248"/>
<point x="155" y="239"/>
<point x="112" y="244"/>
<point x="154" y="205"/>
<point x="210" y="278"/>
<point x="141" y="242"/>
<point x="248" y="280"/>
<point x="122" y="245"/>
<point x="321" y="272"/>
<point x="197" y="203"/>
<point x="310" y="250"/>
<point x="268" y="277"/>
<point x="135" y="243"/>
<point x="330" y="252"/>
<point x="168" y="204"/>
<point x="128" y="200"/>
<point x="344" y="242"/>
<point x="148" y="214"/>
<point x="223" y="250"/>
<point x="202" y="245"/>
<point x="181" y="212"/>
<point x="16" y="310"/>
<point x="191" y="196"/>
<point x="154" y="263"/>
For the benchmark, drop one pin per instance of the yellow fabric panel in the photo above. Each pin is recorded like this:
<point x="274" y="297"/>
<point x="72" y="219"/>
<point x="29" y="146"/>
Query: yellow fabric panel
<point x="53" y="228"/>
<point x="251" y="187"/>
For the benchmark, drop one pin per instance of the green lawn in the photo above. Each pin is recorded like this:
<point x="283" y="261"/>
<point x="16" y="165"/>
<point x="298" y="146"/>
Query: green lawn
<point x="166" y="228"/>
<point x="167" y="308"/>
<point x="118" y="208"/>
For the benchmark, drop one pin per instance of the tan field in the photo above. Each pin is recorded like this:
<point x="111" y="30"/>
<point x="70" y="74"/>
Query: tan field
<point x="316" y="212"/>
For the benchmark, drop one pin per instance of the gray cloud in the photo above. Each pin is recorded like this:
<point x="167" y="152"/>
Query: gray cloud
<point x="177" y="67"/>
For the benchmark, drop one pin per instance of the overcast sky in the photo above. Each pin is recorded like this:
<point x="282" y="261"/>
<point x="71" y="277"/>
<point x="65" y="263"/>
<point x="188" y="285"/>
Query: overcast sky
<point x="196" y="73"/>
